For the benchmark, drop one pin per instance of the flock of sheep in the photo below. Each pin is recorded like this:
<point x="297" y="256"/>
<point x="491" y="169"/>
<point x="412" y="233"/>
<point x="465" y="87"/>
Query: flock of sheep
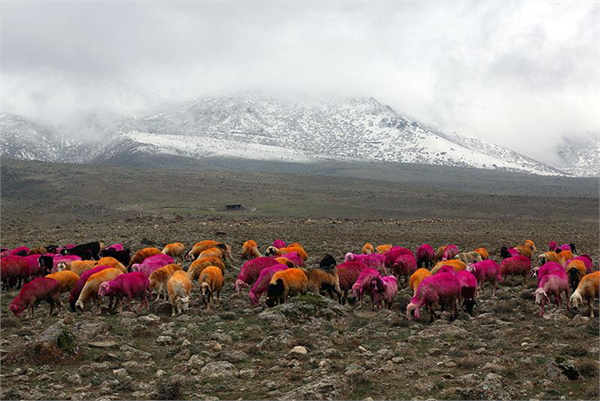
<point x="438" y="278"/>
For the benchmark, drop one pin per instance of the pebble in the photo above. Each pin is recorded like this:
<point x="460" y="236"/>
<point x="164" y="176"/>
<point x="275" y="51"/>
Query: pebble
<point x="299" y="350"/>
<point x="164" y="340"/>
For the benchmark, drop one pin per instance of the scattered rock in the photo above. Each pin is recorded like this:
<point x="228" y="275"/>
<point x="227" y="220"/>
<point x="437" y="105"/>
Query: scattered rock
<point x="164" y="340"/>
<point x="299" y="350"/>
<point x="219" y="369"/>
<point x="102" y="344"/>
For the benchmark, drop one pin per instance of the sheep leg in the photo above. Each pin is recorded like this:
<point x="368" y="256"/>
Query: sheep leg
<point x="591" y="307"/>
<point x="218" y="298"/>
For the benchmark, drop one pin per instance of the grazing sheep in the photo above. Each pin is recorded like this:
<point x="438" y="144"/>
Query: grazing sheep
<point x="179" y="288"/>
<point x="126" y="287"/>
<point x="531" y="244"/>
<point x="393" y="253"/>
<point x="66" y="279"/>
<point x="565" y="256"/>
<point x="201" y="263"/>
<point x="76" y="291"/>
<point x="433" y="291"/>
<point x="455" y="263"/>
<point x="348" y="273"/>
<point x="328" y="262"/>
<point x="516" y="266"/>
<point x="282" y="251"/>
<point x="373" y="260"/>
<point x="65" y="259"/>
<point x="425" y="256"/>
<point x="77" y="266"/>
<point x="19" y="251"/>
<point x="91" y="248"/>
<point x="262" y="283"/>
<point x="286" y="283"/>
<point x="251" y="270"/>
<point x="552" y="246"/>
<point x="383" y="248"/>
<point x="322" y="280"/>
<point x="286" y="261"/>
<point x="37" y="251"/>
<point x="450" y="252"/>
<point x="468" y="289"/>
<point x="363" y="285"/>
<point x="404" y="266"/>
<point x="486" y="271"/>
<point x="367" y="248"/>
<point x="469" y="257"/>
<point x="547" y="257"/>
<point x="33" y="266"/>
<point x="585" y="259"/>
<point x="548" y="268"/>
<point x="526" y="250"/>
<point x="92" y="285"/>
<point x="175" y="250"/>
<point x="250" y="250"/>
<point x="32" y="293"/>
<point x="214" y="252"/>
<point x="110" y="261"/>
<point x="551" y="284"/>
<point x="483" y="253"/>
<point x="384" y="289"/>
<point x="199" y="247"/>
<point x="152" y="263"/>
<point x="417" y="277"/>
<point x="586" y="290"/>
<point x="115" y="247"/>
<point x="508" y="252"/>
<point x="279" y="243"/>
<point x="160" y="277"/>
<point x="575" y="269"/>
<point x="211" y="282"/>
<point x="14" y="270"/>
<point x="295" y="258"/>
<point x="122" y="255"/>
<point x="143" y="254"/>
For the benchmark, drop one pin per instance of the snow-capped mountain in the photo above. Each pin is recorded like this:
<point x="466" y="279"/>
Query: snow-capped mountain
<point x="581" y="157"/>
<point x="258" y="127"/>
<point x="24" y="139"/>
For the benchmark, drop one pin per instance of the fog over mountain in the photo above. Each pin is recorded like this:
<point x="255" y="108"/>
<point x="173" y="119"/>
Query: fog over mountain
<point x="522" y="75"/>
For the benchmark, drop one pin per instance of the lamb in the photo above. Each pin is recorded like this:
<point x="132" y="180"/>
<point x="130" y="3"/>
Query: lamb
<point x="211" y="282"/>
<point x="92" y="285"/>
<point x="152" y="263"/>
<point x="179" y="287"/>
<point x="438" y="289"/>
<point x="373" y="261"/>
<point x="450" y="252"/>
<point x="279" y="243"/>
<point x="586" y="290"/>
<point x="383" y="248"/>
<point x="76" y="291"/>
<point x="199" y="264"/>
<point x="575" y="269"/>
<point x="123" y="255"/>
<point x="384" y="289"/>
<point x="262" y="283"/>
<point x="250" y="250"/>
<point x="66" y="279"/>
<point x="551" y="284"/>
<point x="469" y="257"/>
<point x="363" y="285"/>
<point x="483" y="253"/>
<point x="367" y="248"/>
<point x="348" y="273"/>
<point x="286" y="283"/>
<point x="455" y="263"/>
<point x="37" y="290"/>
<point x="515" y="266"/>
<point x="251" y="270"/>
<point x="142" y="254"/>
<point x="282" y="251"/>
<point x="160" y="277"/>
<point x="425" y="256"/>
<point x="417" y="277"/>
<point x="324" y="280"/>
<point x="174" y="250"/>
<point x="468" y="289"/>
<point x="126" y="286"/>
<point x="486" y="271"/>
<point x="404" y="266"/>
<point x="548" y="257"/>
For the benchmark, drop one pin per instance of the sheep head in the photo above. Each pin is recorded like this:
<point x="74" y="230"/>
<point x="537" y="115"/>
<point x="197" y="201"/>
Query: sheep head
<point x="184" y="303"/>
<point x="271" y="251"/>
<point x="412" y="310"/>
<point x="205" y="292"/>
<point x="239" y="285"/>
<point x="540" y="296"/>
<point x="576" y="300"/>
<point x="103" y="289"/>
<point x="349" y="256"/>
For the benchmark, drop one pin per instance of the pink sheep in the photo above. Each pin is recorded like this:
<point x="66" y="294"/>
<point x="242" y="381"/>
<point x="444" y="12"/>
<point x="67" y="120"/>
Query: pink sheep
<point x="33" y="266"/>
<point x="442" y="288"/>
<point x="14" y="271"/>
<point x="551" y="284"/>
<point x="363" y="285"/>
<point x="19" y="251"/>
<point x="279" y="243"/>
<point x="251" y="270"/>
<point x="587" y="260"/>
<point x="262" y="283"/>
<point x="516" y="266"/>
<point x="115" y="247"/>
<point x="127" y="286"/>
<point x="393" y="253"/>
<point x="373" y="260"/>
<point x="425" y="256"/>
<point x="552" y="246"/>
<point x="76" y="291"/>
<point x="152" y="263"/>
<point x="384" y="289"/>
<point x="468" y="289"/>
<point x="39" y="289"/>
<point x="295" y="258"/>
<point x="486" y="271"/>
<point x="404" y="266"/>
<point x="445" y="269"/>
<point x="450" y="252"/>
<point x="548" y="268"/>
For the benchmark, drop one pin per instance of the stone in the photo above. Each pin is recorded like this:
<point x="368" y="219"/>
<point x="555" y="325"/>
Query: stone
<point x="300" y="350"/>
<point x="102" y="344"/>
<point x="219" y="369"/>
<point x="164" y="340"/>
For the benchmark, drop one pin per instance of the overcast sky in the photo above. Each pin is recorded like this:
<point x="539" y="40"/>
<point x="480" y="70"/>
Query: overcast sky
<point x="522" y="74"/>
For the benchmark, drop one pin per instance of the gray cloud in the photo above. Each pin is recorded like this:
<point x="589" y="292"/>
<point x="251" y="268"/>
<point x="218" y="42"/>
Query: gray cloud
<point x="522" y="74"/>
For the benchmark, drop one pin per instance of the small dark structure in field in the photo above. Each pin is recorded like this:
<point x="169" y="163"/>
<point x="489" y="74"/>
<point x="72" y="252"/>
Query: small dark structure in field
<point x="233" y="207"/>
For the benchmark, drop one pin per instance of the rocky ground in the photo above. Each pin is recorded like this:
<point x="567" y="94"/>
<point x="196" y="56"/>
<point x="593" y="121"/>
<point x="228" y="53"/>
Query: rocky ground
<point x="310" y="348"/>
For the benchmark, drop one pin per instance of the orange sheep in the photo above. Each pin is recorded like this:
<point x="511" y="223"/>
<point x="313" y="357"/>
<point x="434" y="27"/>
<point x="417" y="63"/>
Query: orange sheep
<point x="77" y="266"/>
<point x="285" y="261"/>
<point x="456" y="264"/>
<point x="285" y="283"/>
<point x="416" y="278"/>
<point x="531" y="244"/>
<point x="112" y="262"/>
<point x="586" y="290"/>
<point x="282" y="251"/>
<point x="213" y="253"/>
<point x="383" y="248"/>
<point x="211" y="282"/>
<point x="526" y="250"/>
<point x="483" y="253"/>
<point x="160" y="277"/>
<point x="92" y="285"/>
<point x="548" y="257"/>
<point x="200" y="264"/>
<point x="368" y="248"/>
<point x="179" y="287"/>
<point x="250" y="250"/>
<point x="565" y="256"/>
<point x="439" y="253"/>
<point x="175" y="250"/>
<point x="143" y="254"/>
<point x="66" y="280"/>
